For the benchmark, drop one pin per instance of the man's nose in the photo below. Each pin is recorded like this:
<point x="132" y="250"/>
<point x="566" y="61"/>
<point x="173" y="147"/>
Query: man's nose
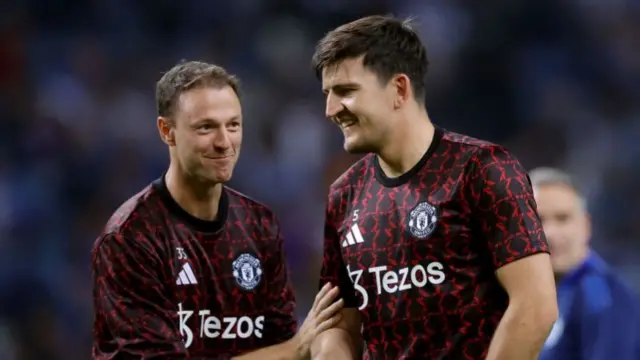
<point x="333" y="106"/>
<point x="221" y="139"/>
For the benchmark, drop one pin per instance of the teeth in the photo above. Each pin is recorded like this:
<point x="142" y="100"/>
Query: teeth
<point x="347" y="123"/>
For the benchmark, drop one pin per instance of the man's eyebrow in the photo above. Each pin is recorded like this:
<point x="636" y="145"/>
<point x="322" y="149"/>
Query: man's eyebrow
<point x="209" y="119"/>
<point x="341" y="86"/>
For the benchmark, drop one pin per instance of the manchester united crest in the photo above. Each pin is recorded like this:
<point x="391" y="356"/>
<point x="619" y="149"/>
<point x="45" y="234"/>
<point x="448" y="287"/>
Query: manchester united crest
<point x="422" y="220"/>
<point x="247" y="271"/>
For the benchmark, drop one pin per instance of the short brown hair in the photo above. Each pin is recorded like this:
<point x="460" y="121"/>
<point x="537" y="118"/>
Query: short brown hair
<point x="389" y="45"/>
<point x="188" y="75"/>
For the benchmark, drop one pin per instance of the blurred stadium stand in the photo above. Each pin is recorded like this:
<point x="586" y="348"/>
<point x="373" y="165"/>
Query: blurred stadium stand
<point x="556" y="81"/>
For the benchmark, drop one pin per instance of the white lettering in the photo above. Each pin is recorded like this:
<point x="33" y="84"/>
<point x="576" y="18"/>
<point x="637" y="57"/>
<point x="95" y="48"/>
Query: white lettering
<point x="182" y="255"/>
<point x="213" y="327"/>
<point x="245" y="327"/>
<point x="228" y="330"/>
<point x="389" y="282"/>
<point x="377" y="270"/>
<point x="393" y="281"/>
<point x="436" y="273"/>
<point x="355" y="278"/>
<point x="259" y="326"/>
<point x="403" y="283"/>
<point x="418" y="270"/>
<point x="185" y="331"/>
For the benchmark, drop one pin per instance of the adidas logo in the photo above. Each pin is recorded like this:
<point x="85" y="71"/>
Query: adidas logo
<point x="354" y="236"/>
<point x="186" y="276"/>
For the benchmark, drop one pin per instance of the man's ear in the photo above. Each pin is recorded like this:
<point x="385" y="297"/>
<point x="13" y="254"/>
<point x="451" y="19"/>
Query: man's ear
<point x="402" y="88"/>
<point x="166" y="130"/>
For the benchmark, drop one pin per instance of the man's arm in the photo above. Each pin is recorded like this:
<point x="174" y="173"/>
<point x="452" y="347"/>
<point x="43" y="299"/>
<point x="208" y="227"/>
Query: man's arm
<point x="282" y="351"/>
<point x="132" y="316"/>
<point x="531" y="312"/>
<point x="344" y="341"/>
<point x="503" y="201"/>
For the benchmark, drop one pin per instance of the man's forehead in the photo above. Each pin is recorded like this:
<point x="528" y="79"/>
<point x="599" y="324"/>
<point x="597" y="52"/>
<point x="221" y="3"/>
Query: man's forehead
<point x="346" y="71"/>
<point x="209" y="103"/>
<point x="557" y="195"/>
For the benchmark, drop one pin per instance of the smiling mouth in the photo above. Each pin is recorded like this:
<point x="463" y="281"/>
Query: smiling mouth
<point x="218" y="157"/>
<point x="347" y="123"/>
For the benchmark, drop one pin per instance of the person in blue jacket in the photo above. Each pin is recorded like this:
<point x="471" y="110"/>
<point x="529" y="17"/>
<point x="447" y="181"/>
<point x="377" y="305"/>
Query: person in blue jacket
<point x="599" y="315"/>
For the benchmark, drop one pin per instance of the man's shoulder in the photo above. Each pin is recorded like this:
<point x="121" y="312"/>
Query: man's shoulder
<point x="470" y="148"/>
<point x="133" y="210"/>
<point x="466" y="141"/>
<point x="481" y="158"/>
<point x="246" y="203"/>
<point x="131" y="215"/>
<point x="356" y="175"/>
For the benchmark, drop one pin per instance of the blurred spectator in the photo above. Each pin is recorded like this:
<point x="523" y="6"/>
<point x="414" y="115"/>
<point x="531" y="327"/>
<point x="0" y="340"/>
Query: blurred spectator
<point x="599" y="315"/>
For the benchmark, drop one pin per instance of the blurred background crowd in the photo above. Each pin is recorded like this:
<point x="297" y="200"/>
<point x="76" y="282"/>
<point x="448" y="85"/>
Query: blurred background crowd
<point x="558" y="82"/>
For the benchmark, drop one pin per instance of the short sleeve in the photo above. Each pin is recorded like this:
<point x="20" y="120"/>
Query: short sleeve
<point x="333" y="269"/>
<point x="503" y="206"/>
<point x="283" y="322"/>
<point x="133" y="318"/>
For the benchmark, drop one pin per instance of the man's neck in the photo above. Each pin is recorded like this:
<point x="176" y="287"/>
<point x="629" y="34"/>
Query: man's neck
<point x="406" y="146"/>
<point x="201" y="200"/>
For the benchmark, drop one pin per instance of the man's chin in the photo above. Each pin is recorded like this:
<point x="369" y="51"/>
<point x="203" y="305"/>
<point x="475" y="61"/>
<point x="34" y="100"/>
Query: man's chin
<point x="353" y="147"/>
<point x="217" y="176"/>
<point x="222" y="178"/>
<point x="560" y="268"/>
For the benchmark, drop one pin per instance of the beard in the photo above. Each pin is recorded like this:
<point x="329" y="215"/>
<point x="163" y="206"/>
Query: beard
<point x="359" y="143"/>
<point x="358" y="147"/>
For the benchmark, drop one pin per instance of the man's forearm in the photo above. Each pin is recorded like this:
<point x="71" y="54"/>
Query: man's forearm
<point x="283" y="351"/>
<point x="521" y="333"/>
<point x="334" y="344"/>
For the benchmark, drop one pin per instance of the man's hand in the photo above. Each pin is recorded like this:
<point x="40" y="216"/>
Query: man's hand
<point x="324" y="314"/>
